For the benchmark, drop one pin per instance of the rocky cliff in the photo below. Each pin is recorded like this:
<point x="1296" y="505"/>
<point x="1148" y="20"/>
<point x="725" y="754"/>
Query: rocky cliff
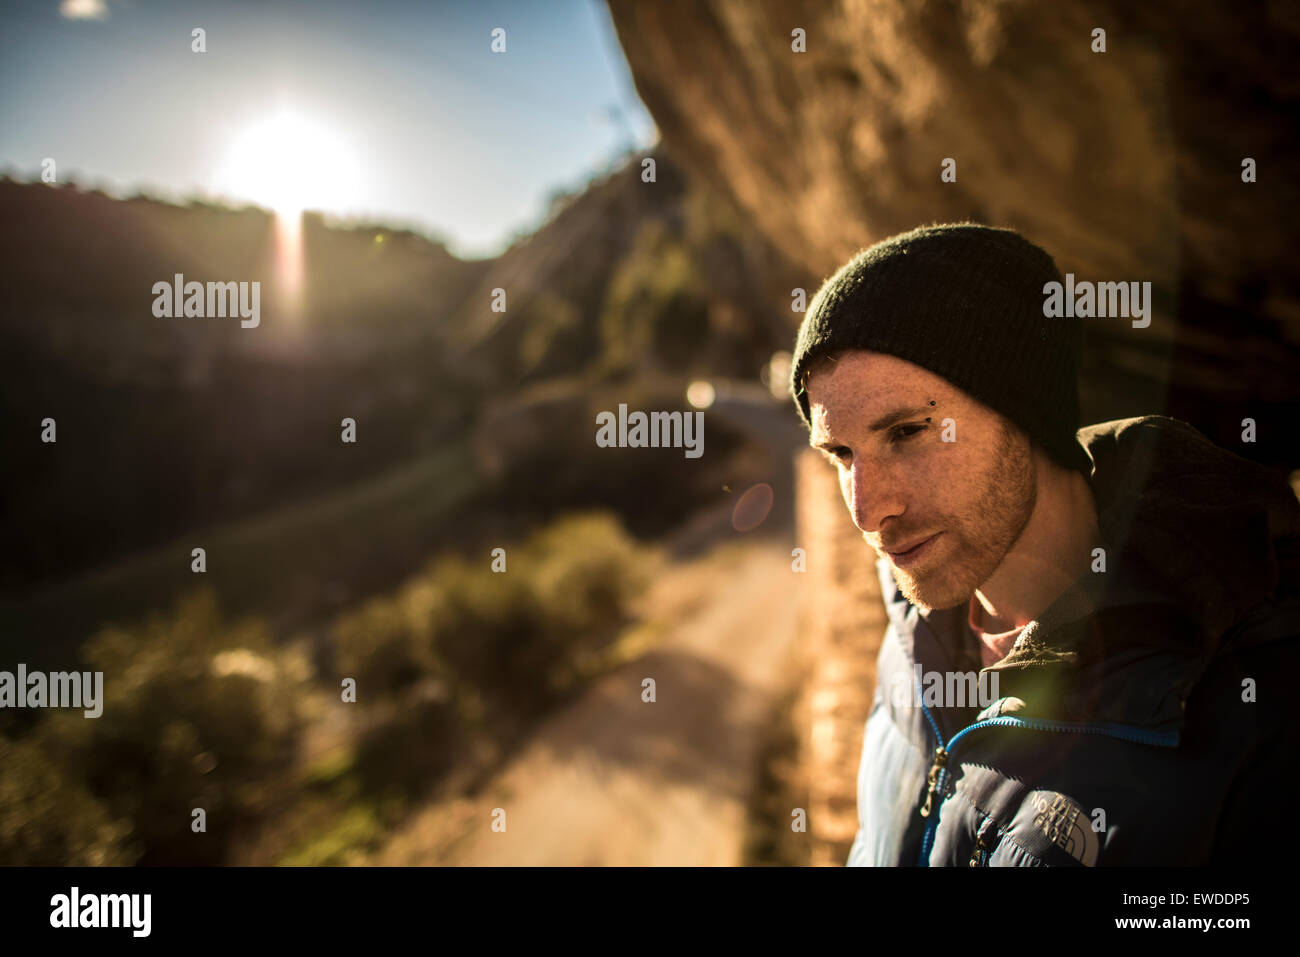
<point x="1124" y="164"/>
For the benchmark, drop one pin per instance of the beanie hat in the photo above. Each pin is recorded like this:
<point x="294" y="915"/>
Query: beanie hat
<point x="966" y="302"/>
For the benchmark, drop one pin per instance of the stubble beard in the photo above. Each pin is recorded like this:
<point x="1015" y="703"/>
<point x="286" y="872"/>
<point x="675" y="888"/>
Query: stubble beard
<point x="980" y="536"/>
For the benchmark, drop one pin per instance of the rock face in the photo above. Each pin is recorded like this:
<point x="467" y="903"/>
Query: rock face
<point x="842" y="620"/>
<point x="1124" y="164"/>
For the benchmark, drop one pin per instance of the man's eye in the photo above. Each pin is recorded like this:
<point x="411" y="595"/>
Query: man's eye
<point x="904" y="432"/>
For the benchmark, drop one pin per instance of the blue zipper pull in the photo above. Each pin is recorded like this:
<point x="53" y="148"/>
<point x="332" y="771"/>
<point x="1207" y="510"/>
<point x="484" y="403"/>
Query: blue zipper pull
<point x="932" y="779"/>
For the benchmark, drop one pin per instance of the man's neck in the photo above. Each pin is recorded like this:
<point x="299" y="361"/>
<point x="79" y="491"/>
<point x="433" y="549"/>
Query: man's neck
<point x="1053" y="551"/>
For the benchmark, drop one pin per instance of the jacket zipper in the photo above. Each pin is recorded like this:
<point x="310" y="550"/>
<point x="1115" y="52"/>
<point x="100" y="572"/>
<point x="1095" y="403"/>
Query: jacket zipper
<point x="937" y="779"/>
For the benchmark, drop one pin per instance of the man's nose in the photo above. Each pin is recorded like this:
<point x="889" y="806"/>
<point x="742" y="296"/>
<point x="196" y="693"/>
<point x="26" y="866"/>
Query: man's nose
<point x="872" y="495"/>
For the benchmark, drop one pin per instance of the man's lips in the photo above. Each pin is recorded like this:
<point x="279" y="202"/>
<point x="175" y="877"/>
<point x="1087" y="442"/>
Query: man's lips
<point x="911" y="551"/>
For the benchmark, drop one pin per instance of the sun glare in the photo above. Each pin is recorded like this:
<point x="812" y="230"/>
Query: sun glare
<point x="289" y="162"/>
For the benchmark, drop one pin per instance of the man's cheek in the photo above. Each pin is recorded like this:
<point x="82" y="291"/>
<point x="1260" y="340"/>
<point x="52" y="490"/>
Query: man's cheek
<point x="932" y="486"/>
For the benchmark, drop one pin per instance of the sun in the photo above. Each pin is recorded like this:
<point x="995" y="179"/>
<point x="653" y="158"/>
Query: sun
<point x="290" y="162"/>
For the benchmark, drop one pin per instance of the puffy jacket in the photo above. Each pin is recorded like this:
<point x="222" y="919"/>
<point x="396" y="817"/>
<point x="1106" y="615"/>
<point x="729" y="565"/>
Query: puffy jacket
<point x="1151" y="720"/>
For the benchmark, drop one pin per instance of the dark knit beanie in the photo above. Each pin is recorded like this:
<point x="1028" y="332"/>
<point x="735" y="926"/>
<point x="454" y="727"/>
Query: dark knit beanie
<point x="966" y="302"/>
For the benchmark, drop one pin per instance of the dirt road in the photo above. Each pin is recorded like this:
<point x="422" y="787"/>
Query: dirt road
<point x="614" y="780"/>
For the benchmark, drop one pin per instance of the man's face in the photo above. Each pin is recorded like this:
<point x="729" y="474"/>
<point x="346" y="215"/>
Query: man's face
<point x="943" y="513"/>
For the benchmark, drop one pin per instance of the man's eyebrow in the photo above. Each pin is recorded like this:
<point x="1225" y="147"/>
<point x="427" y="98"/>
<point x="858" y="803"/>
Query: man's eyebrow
<point x="892" y="417"/>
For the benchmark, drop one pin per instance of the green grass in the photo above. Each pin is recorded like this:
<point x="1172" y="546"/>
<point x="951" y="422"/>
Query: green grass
<point x="357" y="830"/>
<point x="331" y="767"/>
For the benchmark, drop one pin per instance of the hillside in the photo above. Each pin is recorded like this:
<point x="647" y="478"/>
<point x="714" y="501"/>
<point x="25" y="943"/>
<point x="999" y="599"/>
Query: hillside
<point x="169" y="424"/>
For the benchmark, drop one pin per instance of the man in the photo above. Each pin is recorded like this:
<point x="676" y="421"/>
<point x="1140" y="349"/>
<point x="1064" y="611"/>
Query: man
<point x="1131" y="590"/>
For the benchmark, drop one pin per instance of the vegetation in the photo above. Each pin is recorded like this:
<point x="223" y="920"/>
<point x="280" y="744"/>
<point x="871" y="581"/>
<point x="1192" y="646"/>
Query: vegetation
<point x="200" y="712"/>
<point x="512" y="637"/>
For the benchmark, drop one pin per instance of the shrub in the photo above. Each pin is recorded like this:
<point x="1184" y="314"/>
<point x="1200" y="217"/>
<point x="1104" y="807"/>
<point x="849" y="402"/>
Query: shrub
<point x="197" y="713"/>
<point x="516" y="636"/>
<point x="510" y="639"/>
<point x="587" y="570"/>
<point x="385" y="645"/>
<point x="47" y="817"/>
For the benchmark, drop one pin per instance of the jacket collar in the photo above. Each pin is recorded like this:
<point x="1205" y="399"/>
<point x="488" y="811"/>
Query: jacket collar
<point x="1193" y="537"/>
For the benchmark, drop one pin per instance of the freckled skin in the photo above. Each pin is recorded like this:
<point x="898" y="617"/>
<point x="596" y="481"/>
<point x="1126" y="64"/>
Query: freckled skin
<point x="905" y="483"/>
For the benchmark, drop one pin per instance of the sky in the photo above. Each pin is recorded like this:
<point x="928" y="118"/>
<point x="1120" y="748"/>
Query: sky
<point x="396" y="112"/>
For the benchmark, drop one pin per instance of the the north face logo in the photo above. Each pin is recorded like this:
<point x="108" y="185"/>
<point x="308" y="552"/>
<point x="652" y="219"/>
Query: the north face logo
<point x="1065" y="825"/>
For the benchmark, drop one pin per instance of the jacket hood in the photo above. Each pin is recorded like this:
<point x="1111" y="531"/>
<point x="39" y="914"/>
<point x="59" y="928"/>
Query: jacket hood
<point x="1222" y="531"/>
<point x="1198" y="541"/>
